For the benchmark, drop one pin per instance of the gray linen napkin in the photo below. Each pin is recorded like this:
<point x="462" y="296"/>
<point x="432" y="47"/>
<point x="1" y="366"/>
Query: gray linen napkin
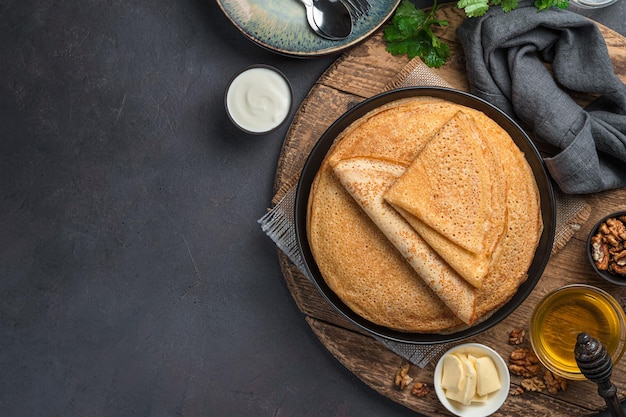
<point x="506" y="56"/>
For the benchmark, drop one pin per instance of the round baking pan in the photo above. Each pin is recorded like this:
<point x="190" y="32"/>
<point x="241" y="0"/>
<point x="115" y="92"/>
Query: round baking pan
<point x="314" y="161"/>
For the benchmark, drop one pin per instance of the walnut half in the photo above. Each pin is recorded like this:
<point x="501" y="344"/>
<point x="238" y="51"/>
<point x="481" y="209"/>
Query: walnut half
<point x="533" y="384"/>
<point x="402" y="378"/>
<point x="523" y="362"/>
<point x="420" y="389"/>
<point x="516" y="337"/>
<point x="554" y="383"/>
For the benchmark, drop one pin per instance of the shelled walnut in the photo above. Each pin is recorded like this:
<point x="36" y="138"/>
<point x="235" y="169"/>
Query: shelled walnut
<point x="402" y="378"/>
<point x="608" y="246"/>
<point x="523" y="362"/>
<point x="420" y="389"/>
<point x="533" y="384"/>
<point x="516" y="337"/>
<point x="554" y="383"/>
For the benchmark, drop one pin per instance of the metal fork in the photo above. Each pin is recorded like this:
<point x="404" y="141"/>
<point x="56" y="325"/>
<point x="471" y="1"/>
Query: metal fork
<point x="357" y="8"/>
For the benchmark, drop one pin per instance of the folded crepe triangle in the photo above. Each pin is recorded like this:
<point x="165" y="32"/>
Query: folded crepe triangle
<point x="454" y="195"/>
<point x="366" y="179"/>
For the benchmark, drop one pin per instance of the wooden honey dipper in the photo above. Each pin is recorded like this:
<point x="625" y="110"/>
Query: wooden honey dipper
<point x="595" y="364"/>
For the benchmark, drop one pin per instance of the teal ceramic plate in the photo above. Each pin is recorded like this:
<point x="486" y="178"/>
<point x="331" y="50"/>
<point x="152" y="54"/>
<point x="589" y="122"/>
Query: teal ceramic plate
<point x="281" y="26"/>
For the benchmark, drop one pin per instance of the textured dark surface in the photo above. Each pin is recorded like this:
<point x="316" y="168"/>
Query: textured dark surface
<point x="134" y="279"/>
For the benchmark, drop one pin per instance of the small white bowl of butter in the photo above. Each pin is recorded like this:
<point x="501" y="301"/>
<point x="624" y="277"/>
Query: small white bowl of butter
<point x="258" y="99"/>
<point x="472" y="380"/>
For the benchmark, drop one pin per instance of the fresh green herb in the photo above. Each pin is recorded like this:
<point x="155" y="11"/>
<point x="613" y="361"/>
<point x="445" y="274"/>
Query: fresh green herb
<point x="546" y="4"/>
<point x="411" y="30"/>
<point x="476" y="8"/>
<point x="410" y="33"/>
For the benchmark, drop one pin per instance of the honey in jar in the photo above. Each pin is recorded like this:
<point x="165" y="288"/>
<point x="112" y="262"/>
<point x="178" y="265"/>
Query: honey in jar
<point x="563" y="314"/>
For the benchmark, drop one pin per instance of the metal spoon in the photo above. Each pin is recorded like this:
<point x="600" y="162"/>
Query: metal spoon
<point x="330" y="19"/>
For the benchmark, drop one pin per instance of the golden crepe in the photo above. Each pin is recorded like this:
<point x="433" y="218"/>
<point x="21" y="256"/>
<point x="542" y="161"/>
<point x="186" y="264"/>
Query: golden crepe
<point x="367" y="179"/>
<point x="360" y="264"/>
<point x="453" y="194"/>
<point x="523" y="228"/>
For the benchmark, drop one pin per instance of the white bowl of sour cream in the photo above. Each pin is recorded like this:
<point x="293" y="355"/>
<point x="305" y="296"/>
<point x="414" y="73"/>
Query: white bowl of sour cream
<point x="258" y="99"/>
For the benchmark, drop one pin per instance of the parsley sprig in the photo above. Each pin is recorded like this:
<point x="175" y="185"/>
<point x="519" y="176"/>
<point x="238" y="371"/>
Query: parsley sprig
<point x="411" y="29"/>
<point x="410" y="33"/>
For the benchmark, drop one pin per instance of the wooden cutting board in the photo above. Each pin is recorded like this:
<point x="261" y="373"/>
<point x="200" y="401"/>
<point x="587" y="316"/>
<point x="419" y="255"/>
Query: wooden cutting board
<point x="361" y="73"/>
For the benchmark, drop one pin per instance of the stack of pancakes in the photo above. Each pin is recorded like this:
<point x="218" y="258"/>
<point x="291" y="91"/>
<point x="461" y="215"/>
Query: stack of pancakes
<point x="424" y="216"/>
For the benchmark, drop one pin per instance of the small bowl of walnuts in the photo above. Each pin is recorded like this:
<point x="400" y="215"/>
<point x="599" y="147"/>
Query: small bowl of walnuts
<point x="606" y="247"/>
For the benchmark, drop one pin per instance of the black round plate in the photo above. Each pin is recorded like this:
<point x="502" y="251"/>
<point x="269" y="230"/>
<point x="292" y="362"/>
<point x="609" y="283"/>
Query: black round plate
<point x="522" y="140"/>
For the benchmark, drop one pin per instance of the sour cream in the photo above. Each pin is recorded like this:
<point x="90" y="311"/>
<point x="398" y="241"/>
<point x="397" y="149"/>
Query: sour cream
<point x="258" y="99"/>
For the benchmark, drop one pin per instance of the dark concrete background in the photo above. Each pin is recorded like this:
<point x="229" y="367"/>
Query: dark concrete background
<point x="134" y="279"/>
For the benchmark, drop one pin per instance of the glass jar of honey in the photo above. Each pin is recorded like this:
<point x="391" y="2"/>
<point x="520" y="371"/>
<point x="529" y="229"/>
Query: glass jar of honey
<point x="564" y="313"/>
